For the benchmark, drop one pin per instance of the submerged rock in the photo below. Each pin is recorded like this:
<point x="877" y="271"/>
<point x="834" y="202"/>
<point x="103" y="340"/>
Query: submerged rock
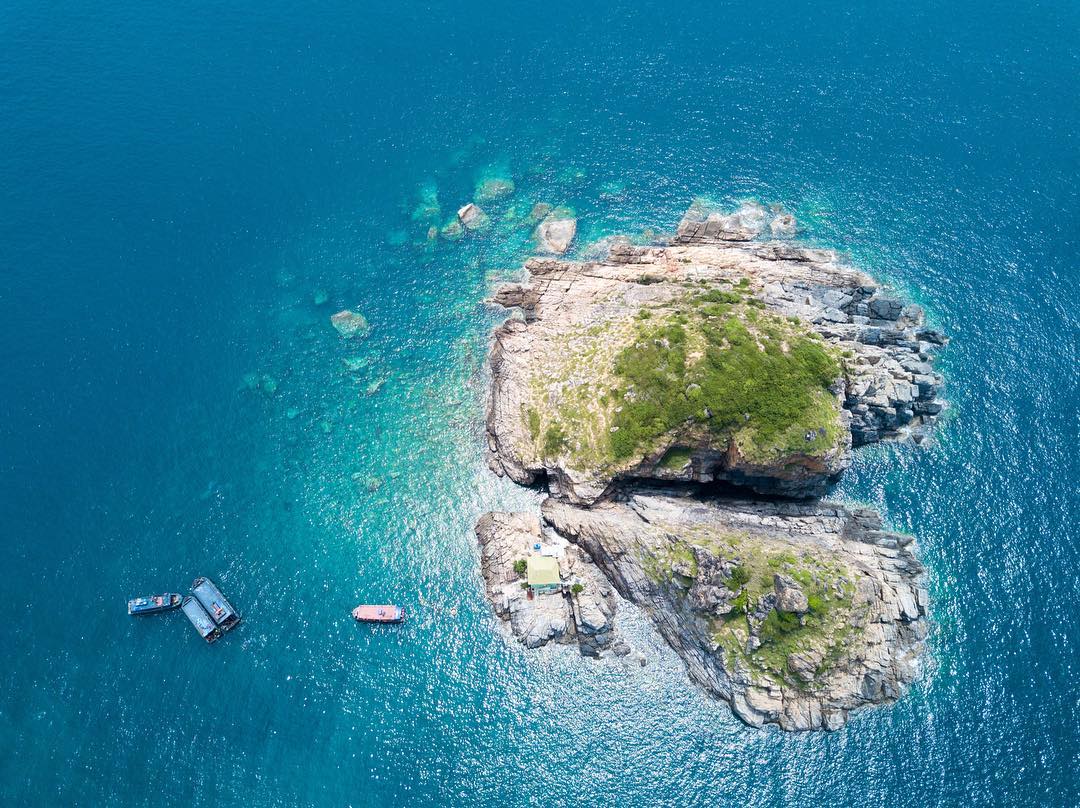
<point x="377" y="385"/>
<point x="262" y="382"/>
<point x="493" y="188"/>
<point x="538" y="212"/>
<point x="350" y="324"/>
<point x="319" y="297"/>
<point x="354" y="364"/>
<point x="452" y="230"/>
<point x="616" y="189"/>
<point x="427" y="208"/>
<point x="370" y="482"/>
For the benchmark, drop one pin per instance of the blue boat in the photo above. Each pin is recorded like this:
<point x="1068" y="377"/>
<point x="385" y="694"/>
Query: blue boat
<point x="154" y="604"/>
<point x="200" y="619"/>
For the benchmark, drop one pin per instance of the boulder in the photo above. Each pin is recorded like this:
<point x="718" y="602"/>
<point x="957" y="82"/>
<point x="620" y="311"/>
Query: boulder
<point x="556" y="232"/>
<point x="472" y="217"/>
<point x="452" y="230"/>
<point x="538" y="212"/>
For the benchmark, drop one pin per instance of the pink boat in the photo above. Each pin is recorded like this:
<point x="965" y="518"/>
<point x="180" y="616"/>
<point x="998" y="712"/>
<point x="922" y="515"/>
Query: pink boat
<point x="379" y="614"/>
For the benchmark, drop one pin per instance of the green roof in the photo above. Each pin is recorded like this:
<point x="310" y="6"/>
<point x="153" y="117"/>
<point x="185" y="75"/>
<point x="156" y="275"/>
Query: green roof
<point x="543" y="571"/>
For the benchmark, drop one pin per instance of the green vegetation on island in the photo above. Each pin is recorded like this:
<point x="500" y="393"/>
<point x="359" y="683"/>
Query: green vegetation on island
<point x="757" y="632"/>
<point x="708" y="367"/>
<point x="720" y="363"/>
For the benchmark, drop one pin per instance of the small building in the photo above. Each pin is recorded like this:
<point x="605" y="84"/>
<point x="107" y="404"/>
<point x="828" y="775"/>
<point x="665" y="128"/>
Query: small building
<point x="542" y="574"/>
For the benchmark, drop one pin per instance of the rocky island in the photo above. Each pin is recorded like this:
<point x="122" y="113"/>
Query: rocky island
<point x="687" y="406"/>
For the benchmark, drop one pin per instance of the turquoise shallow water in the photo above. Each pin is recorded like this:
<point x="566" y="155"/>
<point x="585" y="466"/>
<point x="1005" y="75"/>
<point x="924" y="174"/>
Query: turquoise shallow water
<point x="177" y="184"/>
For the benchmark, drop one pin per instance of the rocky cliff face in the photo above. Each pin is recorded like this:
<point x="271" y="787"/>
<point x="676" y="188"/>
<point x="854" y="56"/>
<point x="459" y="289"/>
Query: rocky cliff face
<point x="794" y="613"/>
<point x="719" y="357"/>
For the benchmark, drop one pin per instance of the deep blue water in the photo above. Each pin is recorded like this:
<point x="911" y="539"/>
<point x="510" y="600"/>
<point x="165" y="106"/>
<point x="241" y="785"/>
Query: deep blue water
<point x="176" y="181"/>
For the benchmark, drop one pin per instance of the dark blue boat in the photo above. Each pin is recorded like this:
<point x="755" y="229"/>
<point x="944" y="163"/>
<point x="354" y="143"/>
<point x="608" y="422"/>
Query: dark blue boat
<point x="200" y="619"/>
<point x="153" y="604"/>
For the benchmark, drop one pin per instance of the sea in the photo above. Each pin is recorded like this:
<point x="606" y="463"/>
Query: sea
<point x="189" y="191"/>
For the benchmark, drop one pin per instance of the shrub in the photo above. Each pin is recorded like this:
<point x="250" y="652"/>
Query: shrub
<point x="817" y="603"/>
<point x="577" y="589"/>
<point x="777" y="624"/>
<point x="740" y="576"/>
<point x="554" y="440"/>
<point x="676" y="458"/>
<point x="534" y="423"/>
<point x="718" y="296"/>
<point x="520" y="566"/>
<point x="738" y="604"/>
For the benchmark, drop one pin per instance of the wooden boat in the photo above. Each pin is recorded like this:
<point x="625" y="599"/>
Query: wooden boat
<point x="379" y="614"/>
<point x="153" y="604"/>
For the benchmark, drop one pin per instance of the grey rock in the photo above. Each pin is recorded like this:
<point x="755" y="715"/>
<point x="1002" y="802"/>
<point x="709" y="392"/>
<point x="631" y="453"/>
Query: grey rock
<point x="883" y="648"/>
<point x="789" y="596"/>
<point x="472" y="217"/>
<point x="556" y="232"/>
<point x="349" y="323"/>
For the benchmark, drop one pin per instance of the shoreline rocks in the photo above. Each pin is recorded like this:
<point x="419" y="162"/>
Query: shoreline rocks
<point x="576" y="316"/>
<point x="864" y="650"/>
<point x="472" y="217"/>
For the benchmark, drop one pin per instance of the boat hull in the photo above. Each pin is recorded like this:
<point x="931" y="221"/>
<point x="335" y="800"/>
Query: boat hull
<point x="154" y="604"/>
<point x="379" y="614"/>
